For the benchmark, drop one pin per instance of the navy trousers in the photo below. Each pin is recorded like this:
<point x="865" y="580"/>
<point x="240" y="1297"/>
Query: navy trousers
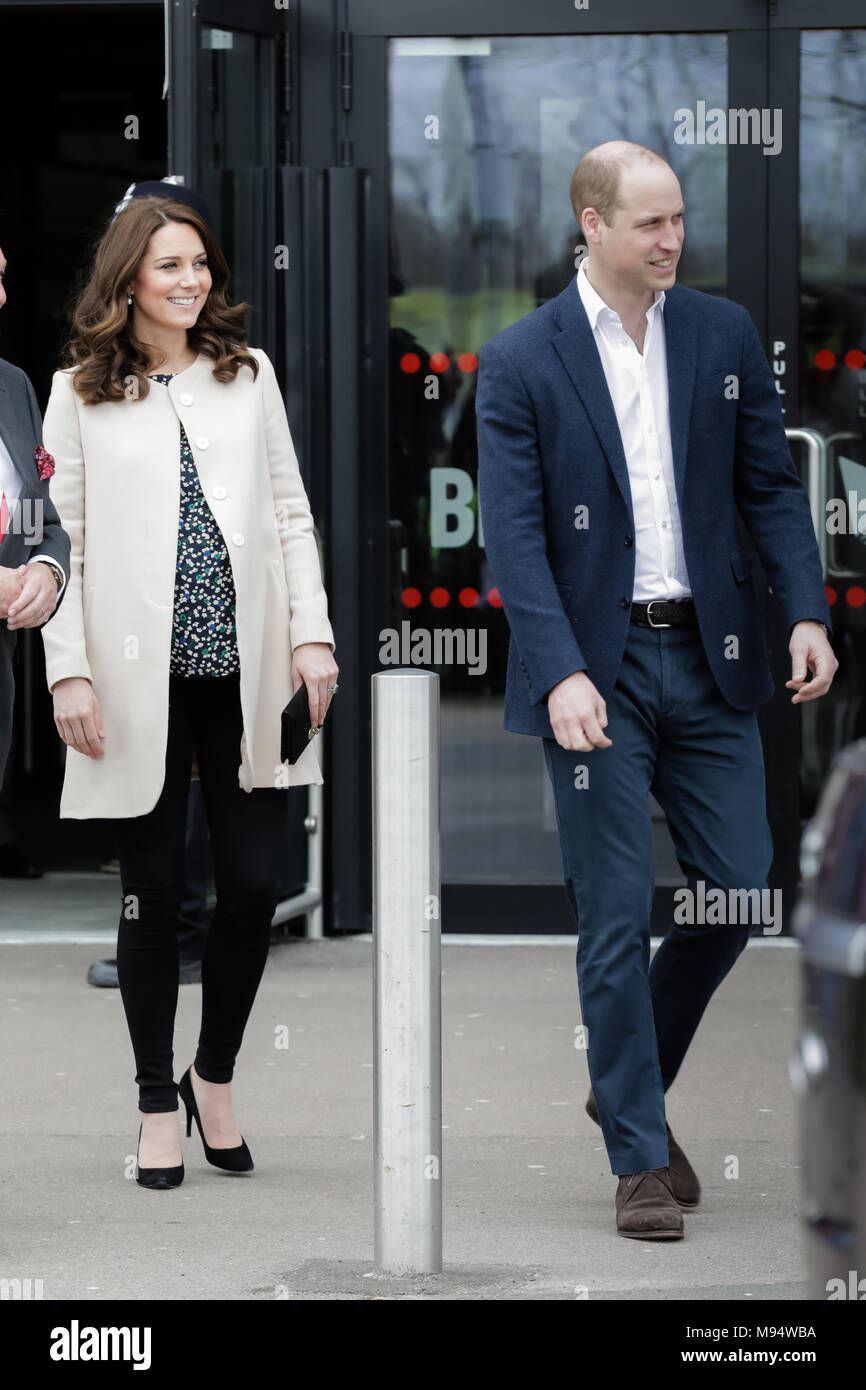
<point x="676" y="736"/>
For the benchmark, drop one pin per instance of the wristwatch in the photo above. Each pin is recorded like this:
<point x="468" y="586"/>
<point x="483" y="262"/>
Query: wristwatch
<point x="55" y="570"/>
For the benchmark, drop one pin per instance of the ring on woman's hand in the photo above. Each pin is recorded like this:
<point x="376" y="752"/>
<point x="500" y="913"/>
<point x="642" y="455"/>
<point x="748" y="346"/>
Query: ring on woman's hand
<point x="333" y="688"/>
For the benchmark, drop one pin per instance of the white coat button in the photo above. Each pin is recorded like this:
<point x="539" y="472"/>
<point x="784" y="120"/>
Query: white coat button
<point x="201" y="441"/>
<point x="237" y="538"/>
<point x="186" y="398"/>
<point x="219" y="492"/>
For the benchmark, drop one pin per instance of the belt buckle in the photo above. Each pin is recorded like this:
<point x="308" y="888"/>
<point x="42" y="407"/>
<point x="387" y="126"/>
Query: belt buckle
<point x="650" y="616"/>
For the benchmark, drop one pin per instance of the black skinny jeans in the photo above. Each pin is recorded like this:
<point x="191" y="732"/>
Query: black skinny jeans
<point x="248" y="833"/>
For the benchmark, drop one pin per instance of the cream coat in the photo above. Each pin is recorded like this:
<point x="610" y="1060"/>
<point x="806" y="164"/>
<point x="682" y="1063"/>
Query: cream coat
<point x="117" y="491"/>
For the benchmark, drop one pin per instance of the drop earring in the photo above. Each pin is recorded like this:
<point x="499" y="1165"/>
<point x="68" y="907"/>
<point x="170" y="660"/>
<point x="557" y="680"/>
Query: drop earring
<point x="128" y="299"/>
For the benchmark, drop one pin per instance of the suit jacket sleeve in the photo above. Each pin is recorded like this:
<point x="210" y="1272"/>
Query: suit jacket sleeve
<point x="63" y="637"/>
<point x="55" y="542"/>
<point x="769" y="494"/>
<point x="511" y="498"/>
<point x="308" y="601"/>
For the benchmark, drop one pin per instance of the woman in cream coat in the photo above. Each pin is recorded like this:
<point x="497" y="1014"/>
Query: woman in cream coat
<point x="195" y="608"/>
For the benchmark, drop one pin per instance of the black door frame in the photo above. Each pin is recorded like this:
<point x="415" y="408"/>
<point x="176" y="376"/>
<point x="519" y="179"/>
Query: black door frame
<point x="293" y="335"/>
<point x="319" y="199"/>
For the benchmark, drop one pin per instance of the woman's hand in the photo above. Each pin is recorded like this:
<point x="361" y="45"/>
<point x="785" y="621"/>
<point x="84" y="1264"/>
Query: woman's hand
<point x="76" y="714"/>
<point x="314" y="665"/>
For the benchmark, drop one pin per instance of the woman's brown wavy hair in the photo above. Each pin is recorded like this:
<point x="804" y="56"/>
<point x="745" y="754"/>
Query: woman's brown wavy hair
<point x="101" y="342"/>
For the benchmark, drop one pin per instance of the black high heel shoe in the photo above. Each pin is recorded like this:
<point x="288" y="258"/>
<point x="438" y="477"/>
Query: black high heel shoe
<point x="157" y="1177"/>
<point x="236" y="1160"/>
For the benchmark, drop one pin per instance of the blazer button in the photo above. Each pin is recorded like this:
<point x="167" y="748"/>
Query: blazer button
<point x="237" y="538"/>
<point x="219" y="492"/>
<point x="625" y="603"/>
<point x="201" y="441"/>
<point x="186" y="398"/>
<point x="627" y="540"/>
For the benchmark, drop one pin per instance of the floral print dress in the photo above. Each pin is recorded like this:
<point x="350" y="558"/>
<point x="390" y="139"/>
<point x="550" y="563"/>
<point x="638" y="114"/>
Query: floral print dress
<point x="204" y="635"/>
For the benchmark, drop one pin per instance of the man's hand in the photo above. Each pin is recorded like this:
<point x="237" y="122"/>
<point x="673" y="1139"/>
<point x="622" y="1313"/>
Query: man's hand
<point x="11" y="584"/>
<point x="578" y="714"/>
<point x="38" y="597"/>
<point x="77" y="716"/>
<point x="810" y="650"/>
<point x="314" y="666"/>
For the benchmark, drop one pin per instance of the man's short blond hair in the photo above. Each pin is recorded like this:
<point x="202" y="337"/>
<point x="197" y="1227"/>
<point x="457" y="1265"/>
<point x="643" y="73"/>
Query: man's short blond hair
<point x="595" y="182"/>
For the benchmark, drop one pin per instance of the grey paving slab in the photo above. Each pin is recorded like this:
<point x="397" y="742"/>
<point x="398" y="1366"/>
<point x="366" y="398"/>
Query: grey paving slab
<point x="528" y="1193"/>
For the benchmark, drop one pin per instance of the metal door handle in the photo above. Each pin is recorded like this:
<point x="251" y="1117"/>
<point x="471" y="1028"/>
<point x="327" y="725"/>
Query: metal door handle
<point x="816" y="484"/>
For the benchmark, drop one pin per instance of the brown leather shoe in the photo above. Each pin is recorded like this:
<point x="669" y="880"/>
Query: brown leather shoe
<point x="687" y="1189"/>
<point x="646" y="1207"/>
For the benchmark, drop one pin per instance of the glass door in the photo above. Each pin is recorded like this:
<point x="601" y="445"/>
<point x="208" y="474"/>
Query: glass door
<point x="831" y="396"/>
<point x="469" y="165"/>
<point x="816" y="340"/>
<point x="482" y="230"/>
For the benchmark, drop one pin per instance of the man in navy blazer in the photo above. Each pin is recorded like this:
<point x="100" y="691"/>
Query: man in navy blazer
<point x="30" y="530"/>
<point x="620" y="428"/>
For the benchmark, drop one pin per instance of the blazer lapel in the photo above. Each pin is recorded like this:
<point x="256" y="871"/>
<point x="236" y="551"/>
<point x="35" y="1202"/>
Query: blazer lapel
<point x="681" y="344"/>
<point x="578" y="352"/>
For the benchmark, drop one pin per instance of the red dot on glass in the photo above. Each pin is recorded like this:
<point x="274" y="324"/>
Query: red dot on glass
<point x="855" y="358"/>
<point x="439" y="362"/>
<point x="825" y="359"/>
<point x="439" y="597"/>
<point x="467" y="362"/>
<point x="410" y="362"/>
<point x="493" y="598"/>
<point x="411" y="598"/>
<point x="468" y="598"/>
<point x="832" y="596"/>
<point x="856" y="596"/>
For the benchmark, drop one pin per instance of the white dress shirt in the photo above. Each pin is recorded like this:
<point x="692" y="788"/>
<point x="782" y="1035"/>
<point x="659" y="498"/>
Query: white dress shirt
<point x="638" y="385"/>
<point x="10" y="484"/>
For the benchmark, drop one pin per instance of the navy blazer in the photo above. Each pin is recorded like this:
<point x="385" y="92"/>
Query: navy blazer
<point x="548" y="442"/>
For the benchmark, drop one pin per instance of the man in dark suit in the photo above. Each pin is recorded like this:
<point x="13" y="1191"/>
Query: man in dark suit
<point x="30" y="529"/>
<point x="619" y="427"/>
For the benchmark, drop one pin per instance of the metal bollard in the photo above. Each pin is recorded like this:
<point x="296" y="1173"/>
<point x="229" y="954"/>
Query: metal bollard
<point x="407" y="985"/>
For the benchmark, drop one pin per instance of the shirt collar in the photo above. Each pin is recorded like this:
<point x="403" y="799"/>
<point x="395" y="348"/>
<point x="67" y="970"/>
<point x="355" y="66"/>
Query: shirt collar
<point x="594" y="304"/>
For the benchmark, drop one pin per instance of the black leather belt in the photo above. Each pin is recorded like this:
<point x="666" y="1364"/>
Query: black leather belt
<point x="664" y="612"/>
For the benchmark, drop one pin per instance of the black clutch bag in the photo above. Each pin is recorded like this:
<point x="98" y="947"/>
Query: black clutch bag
<point x="296" y="730"/>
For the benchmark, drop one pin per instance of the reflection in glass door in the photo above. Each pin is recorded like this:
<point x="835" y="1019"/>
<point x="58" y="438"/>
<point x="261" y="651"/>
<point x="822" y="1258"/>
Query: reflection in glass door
<point x="833" y="367"/>
<point x="485" y="135"/>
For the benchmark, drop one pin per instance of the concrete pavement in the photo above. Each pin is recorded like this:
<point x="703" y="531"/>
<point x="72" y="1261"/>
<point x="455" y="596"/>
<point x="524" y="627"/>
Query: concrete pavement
<point x="528" y="1193"/>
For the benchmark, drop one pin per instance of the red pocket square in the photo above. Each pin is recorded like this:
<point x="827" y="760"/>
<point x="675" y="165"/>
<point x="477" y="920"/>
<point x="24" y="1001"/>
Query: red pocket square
<point x="44" y="462"/>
